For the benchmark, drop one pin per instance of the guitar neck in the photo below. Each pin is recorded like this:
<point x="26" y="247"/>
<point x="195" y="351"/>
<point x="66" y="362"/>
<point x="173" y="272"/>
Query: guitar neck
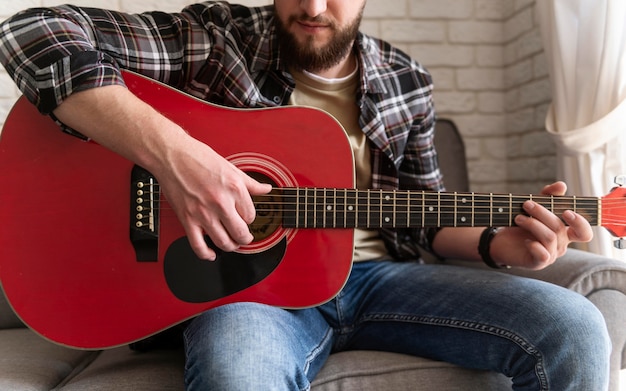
<point x="349" y="208"/>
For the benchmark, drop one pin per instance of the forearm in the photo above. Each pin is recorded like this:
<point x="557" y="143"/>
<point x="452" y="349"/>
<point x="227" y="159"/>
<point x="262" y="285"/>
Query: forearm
<point x="116" y="119"/>
<point x="458" y="243"/>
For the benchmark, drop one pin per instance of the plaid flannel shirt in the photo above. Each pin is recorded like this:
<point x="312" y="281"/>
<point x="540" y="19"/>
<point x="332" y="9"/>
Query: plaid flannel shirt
<point x="229" y="55"/>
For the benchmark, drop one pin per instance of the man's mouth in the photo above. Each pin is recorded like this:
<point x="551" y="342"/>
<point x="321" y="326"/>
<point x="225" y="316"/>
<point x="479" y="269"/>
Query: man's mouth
<point x="312" y="25"/>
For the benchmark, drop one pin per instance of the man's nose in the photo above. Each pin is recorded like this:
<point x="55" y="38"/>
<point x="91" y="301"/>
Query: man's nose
<point x="314" y="8"/>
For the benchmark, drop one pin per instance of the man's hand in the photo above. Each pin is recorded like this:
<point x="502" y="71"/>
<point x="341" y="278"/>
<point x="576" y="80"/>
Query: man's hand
<point x="541" y="237"/>
<point x="210" y="196"/>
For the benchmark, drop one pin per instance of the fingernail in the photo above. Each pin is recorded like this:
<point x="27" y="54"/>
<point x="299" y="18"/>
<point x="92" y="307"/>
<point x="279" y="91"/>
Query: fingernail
<point x="529" y="205"/>
<point x="569" y="215"/>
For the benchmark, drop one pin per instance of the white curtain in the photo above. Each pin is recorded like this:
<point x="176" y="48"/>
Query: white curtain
<point x="585" y="44"/>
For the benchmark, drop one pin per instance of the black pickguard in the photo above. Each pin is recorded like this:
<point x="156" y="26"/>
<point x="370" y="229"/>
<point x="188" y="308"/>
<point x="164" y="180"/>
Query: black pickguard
<point x="195" y="280"/>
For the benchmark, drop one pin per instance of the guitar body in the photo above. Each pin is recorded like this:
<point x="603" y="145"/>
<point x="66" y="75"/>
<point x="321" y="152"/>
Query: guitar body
<point x="67" y="264"/>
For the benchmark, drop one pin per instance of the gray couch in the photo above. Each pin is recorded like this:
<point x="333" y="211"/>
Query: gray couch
<point x="28" y="362"/>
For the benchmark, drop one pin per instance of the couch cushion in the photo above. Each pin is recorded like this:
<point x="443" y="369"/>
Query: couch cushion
<point x="607" y="301"/>
<point x="122" y="369"/>
<point x="582" y="272"/>
<point x="365" y="371"/>
<point x="28" y="362"/>
<point x="360" y="370"/>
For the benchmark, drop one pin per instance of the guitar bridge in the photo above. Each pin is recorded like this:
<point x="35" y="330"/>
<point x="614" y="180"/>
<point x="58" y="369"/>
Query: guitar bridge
<point x="144" y="215"/>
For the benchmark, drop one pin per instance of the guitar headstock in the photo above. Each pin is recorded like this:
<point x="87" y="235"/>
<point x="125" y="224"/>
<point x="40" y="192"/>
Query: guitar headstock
<point x="614" y="211"/>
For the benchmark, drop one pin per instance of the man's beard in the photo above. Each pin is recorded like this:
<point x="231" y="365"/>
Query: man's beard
<point x="305" y="56"/>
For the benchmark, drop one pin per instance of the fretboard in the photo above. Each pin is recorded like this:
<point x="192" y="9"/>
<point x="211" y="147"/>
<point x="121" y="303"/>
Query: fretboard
<point x="349" y="208"/>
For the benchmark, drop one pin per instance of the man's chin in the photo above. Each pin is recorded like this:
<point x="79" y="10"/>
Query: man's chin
<point x="310" y="42"/>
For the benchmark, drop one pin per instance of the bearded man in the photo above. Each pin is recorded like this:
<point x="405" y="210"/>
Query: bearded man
<point x="67" y="61"/>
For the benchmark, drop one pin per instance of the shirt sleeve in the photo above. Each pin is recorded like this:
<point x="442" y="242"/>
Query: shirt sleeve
<point x="420" y="170"/>
<point x="53" y="52"/>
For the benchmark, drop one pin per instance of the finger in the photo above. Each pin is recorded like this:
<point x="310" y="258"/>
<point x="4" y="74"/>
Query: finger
<point x="236" y="231"/>
<point x="245" y="207"/>
<point x="539" y="255"/>
<point x="539" y="231"/>
<point x="199" y="246"/>
<point x="228" y="234"/>
<point x="557" y="188"/>
<point x="546" y="228"/>
<point x="543" y="217"/>
<point x="257" y="188"/>
<point x="579" y="229"/>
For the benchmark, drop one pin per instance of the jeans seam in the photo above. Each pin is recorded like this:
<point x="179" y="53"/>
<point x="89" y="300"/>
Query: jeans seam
<point x="316" y="352"/>
<point x="475" y="326"/>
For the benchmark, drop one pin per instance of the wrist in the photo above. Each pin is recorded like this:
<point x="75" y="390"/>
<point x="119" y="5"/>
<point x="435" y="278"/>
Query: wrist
<point x="484" y="248"/>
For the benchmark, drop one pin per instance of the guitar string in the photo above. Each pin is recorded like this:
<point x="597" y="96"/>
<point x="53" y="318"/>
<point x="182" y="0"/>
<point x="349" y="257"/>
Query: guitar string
<point x="417" y="206"/>
<point x="355" y="223"/>
<point x="409" y="192"/>
<point x="429" y="205"/>
<point x="426" y="193"/>
<point x="417" y="196"/>
<point x="354" y="219"/>
<point x="376" y="208"/>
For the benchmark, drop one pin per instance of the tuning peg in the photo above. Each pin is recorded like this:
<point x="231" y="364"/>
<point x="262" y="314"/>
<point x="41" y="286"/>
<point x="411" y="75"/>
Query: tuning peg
<point x="620" y="180"/>
<point x="620" y="243"/>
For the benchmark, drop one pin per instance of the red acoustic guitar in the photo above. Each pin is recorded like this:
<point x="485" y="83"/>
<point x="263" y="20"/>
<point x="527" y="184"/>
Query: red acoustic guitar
<point x="92" y="257"/>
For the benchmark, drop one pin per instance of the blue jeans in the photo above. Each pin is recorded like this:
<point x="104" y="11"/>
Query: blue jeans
<point x="542" y="336"/>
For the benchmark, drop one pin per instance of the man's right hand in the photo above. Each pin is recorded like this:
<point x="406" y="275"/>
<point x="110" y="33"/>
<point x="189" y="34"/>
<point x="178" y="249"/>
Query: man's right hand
<point x="210" y="196"/>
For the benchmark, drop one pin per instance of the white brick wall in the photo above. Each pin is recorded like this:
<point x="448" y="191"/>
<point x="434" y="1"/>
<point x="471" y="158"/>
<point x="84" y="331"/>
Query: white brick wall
<point x="487" y="62"/>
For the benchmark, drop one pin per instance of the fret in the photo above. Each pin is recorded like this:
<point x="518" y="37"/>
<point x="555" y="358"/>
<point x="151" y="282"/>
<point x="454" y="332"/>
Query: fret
<point x="290" y="207"/>
<point x="464" y="213"/>
<point x="473" y="211"/>
<point x="302" y="208"/>
<point x="331" y="208"/>
<point x="456" y="208"/>
<point x="376" y="210"/>
<point x="490" y="211"/>
<point x="320" y="208"/>
<point x="351" y="209"/>
<point x="401" y="209"/>
<point x="500" y="212"/>
<point x="447" y="210"/>
<point x="340" y="208"/>
<point x="327" y="208"/>
<point x="482" y="210"/>
<point x="387" y="209"/>
<point x="438" y="209"/>
<point x="310" y="208"/>
<point x="394" y="206"/>
<point x="510" y="210"/>
<point x="423" y="222"/>
<point x="363" y="207"/>
<point x="592" y="211"/>
<point x="414" y="209"/>
<point x="517" y="207"/>
<point x="408" y="210"/>
<point x="431" y="203"/>
<point x="548" y="203"/>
